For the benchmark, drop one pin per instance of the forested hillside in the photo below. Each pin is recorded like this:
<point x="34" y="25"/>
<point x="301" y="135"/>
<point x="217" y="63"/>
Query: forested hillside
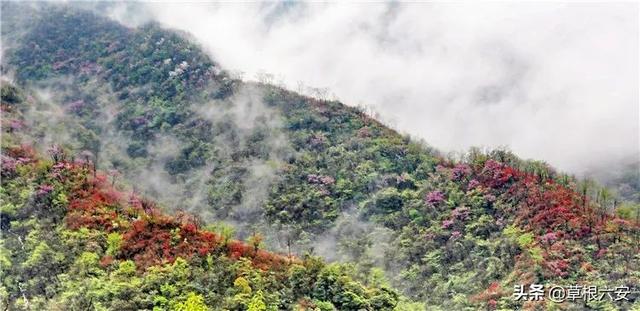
<point x="72" y="240"/>
<point x="131" y="116"/>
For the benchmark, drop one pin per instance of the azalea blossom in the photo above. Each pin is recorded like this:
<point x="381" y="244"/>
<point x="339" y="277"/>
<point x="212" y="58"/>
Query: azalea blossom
<point x="44" y="189"/>
<point x="473" y="184"/>
<point x="447" y="223"/>
<point x="434" y="197"/>
<point x="455" y="235"/>
<point x="460" y="171"/>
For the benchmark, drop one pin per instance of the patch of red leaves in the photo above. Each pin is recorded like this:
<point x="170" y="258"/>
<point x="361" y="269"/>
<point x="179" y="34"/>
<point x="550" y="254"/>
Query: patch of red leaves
<point x="557" y="214"/>
<point x="149" y="236"/>
<point x="490" y="295"/>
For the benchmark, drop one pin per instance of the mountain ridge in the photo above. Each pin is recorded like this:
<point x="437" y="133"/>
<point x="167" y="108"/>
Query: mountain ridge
<point x="322" y="171"/>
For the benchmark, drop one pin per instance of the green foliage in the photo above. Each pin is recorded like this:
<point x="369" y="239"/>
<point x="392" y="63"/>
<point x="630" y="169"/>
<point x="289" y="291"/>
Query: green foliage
<point x="114" y="241"/>
<point x="93" y="266"/>
<point x="525" y="240"/>
<point x="447" y="230"/>
<point x="628" y="211"/>
<point x="257" y="302"/>
<point x="10" y="94"/>
<point x="194" y="302"/>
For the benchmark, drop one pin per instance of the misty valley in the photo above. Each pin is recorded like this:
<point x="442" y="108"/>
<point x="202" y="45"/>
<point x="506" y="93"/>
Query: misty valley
<point x="139" y="173"/>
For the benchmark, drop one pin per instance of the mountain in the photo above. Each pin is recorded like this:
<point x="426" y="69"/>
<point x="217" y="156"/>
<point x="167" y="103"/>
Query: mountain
<point x="72" y="240"/>
<point x="148" y="108"/>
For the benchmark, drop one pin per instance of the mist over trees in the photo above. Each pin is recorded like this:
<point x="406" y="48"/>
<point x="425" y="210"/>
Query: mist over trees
<point x="134" y="166"/>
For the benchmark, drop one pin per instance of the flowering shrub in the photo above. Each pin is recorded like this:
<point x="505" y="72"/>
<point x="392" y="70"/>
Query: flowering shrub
<point x="558" y="267"/>
<point x="473" y="184"/>
<point x="460" y="171"/>
<point x="460" y="213"/>
<point x="447" y="223"/>
<point x="495" y="174"/>
<point x="434" y="197"/>
<point x="320" y="179"/>
<point x="8" y="166"/>
<point x="23" y="160"/>
<point x="549" y="238"/>
<point x="493" y="292"/>
<point x="44" y="190"/>
<point x="56" y="152"/>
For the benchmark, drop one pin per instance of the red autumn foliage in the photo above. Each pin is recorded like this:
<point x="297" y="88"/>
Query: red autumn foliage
<point x="24" y="152"/>
<point x="492" y="304"/>
<point x="238" y="249"/>
<point x="94" y="207"/>
<point x="558" y="267"/>
<point x="148" y="236"/>
<point x="495" y="174"/>
<point x="147" y="243"/>
<point x="490" y="295"/>
<point x="542" y="205"/>
<point x="106" y="261"/>
<point x="555" y="213"/>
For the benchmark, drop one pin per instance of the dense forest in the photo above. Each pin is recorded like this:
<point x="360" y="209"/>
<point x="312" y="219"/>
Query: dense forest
<point x="137" y="173"/>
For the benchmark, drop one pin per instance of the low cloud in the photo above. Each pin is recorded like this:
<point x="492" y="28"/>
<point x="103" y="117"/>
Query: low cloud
<point x="557" y="82"/>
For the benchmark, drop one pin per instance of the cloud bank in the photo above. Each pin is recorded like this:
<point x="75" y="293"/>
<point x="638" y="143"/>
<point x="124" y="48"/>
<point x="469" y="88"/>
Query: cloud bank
<point x="557" y="82"/>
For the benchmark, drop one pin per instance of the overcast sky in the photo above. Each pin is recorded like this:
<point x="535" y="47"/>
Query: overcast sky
<point x="557" y="82"/>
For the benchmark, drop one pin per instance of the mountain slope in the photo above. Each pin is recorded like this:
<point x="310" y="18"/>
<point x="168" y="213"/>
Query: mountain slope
<point x="313" y="175"/>
<point x="71" y="240"/>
